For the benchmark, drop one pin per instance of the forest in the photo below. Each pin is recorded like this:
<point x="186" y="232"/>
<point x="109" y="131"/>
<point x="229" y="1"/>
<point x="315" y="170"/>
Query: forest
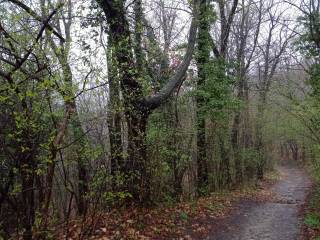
<point x="114" y="113"/>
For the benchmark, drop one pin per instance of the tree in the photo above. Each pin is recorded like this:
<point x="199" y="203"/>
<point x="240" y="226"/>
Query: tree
<point x="27" y="114"/>
<point x="271" y="58"/>
<point x="137" y="106"/>
<point x="247" y="30"/>
<point x="203" y="59"/>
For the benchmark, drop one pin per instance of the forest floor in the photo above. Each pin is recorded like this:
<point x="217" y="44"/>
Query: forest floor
<point x="273" y="211"/>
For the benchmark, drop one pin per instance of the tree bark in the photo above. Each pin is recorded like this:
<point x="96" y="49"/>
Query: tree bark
<point x="203" y="59"/>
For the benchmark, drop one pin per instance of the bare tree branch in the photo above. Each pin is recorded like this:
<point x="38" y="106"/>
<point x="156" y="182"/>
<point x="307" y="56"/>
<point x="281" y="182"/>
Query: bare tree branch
<point x="36" y="16"/>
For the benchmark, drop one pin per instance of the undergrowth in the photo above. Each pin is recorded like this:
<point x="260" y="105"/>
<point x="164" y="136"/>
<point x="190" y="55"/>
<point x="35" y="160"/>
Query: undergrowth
<point x="312" y="214"/>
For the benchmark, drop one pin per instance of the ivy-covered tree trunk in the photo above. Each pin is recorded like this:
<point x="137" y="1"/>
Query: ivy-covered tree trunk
<point x="114" y="118"/>
<point x="137" y="107"/>
<point x="137" y="165"/>
<point x="136" y="112"/>
<point x="138" y="15"/>
<point x="203" y="58"/>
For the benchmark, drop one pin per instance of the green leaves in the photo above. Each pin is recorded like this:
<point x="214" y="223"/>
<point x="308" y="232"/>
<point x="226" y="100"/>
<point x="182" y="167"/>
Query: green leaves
<point x="215" y="92"/>
<point x="315" y="80"/>
<point x="313" y="221"/>
<point x="309" y="41"/>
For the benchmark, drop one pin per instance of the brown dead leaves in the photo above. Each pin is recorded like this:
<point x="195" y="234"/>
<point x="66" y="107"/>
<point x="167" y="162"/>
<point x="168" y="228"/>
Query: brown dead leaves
<point x="184" y="221"/>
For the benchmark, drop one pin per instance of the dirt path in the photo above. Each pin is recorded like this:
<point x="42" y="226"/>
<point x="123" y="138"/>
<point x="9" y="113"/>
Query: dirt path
<point x="276" y="219"/>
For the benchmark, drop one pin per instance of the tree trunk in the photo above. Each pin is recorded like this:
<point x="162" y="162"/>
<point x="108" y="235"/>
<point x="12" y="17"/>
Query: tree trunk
<point x="137" y="165"/>
<point x="81" y="160"/>
<point x="114" y="118"/>
<point x="225" y="164"/>
<point x="259" y="144"/>
<point x="202" y="60"/>
<point x="27" y="169"/>
<point x="236" y="148"/>
<point x="28" y="207"/>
